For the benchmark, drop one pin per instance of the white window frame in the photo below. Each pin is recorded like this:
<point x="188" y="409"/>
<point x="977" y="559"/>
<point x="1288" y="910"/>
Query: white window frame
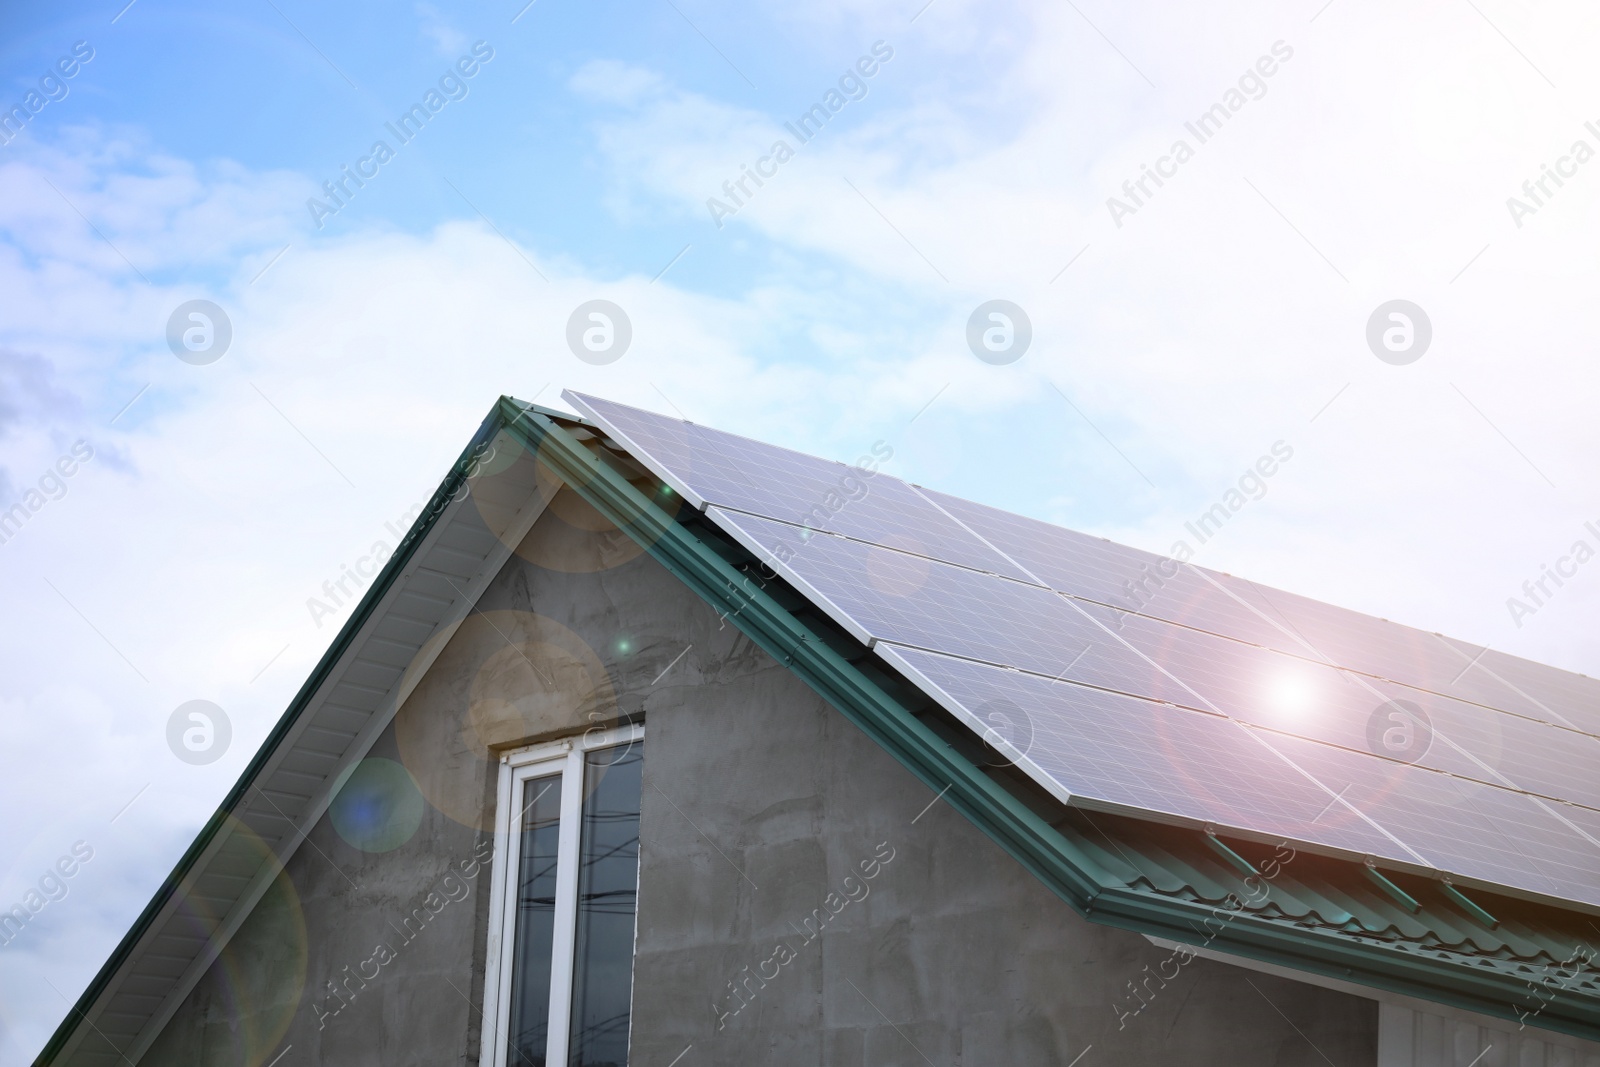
<point x="566" y="758"/>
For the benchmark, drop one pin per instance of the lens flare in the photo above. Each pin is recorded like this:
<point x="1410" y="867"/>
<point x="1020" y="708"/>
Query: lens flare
<point x="245" y="1002"/>
<point x="522" y="675"/>
<point x="1291" y="696"/>
<point x="378" y="807"/>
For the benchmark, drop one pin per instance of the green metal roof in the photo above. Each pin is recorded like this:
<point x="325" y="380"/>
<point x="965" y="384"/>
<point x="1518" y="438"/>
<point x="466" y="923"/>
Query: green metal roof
<point x="1336" y="896"/>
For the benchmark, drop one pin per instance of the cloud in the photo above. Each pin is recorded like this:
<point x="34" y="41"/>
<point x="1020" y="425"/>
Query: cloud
<point x="448" y="41"/>
<point x="28" y="392"/>
<point x="612" y="82"/>
<point x="1230" y="309"/>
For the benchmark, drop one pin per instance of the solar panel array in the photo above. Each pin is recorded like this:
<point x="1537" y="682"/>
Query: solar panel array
<point x="1133" y="682"/>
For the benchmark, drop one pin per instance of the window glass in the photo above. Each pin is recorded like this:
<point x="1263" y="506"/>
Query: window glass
<point x="535" y="919"/>
<point x="608" y="889"/>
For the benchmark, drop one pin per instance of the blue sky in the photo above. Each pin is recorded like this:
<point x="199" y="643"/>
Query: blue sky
<point x="304" y="90"/>
<point x="1172" y="347"/>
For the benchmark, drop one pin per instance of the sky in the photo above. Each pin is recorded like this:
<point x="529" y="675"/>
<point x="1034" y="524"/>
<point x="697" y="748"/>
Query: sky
<point x="1353" y="251"/>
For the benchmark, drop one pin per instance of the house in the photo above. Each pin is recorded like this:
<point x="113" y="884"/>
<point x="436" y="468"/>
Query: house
<point x="656" y="745"/>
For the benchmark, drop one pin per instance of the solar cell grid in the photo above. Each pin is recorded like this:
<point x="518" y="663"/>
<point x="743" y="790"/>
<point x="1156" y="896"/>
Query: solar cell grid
<point x="1532" y="689"/>
<point x="927" y="604"/>
<point x="1282" y="692"/>
<point x="1234" y="678"/>
<point x="1246" y="611"/>
<point x="1463" y="827"/>
<point x="1504" y="749"/>
<point x="751" y="476"/>
<point x="1361" y="642"/>
<point x="1124" y="751"/>
<point x="1430" y="662"/>
<point x="1585" y="823"/>
<point x="913" y="601"/>
<point x="1112" y="574"/>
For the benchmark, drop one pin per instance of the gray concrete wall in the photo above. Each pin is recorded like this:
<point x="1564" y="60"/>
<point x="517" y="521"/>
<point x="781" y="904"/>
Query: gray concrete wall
<point x="760" y="801"/>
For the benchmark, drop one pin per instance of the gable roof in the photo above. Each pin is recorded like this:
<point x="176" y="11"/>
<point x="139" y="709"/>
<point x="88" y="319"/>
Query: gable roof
<point x="1327" y="911"/>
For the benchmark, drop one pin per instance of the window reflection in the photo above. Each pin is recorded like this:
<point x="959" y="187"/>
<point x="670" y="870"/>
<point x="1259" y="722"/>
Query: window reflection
<point x="535" y="919"/>
<point x="608" y="881"/>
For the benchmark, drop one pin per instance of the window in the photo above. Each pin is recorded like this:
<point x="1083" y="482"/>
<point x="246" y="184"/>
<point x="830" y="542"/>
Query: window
<point x="559" y="987"/>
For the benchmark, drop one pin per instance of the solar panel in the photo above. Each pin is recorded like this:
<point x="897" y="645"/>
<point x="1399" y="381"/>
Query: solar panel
<point x="766" y="480"/>
<point x="1131" y="753"/>
<point x="1244" y="611"/>
<point x="711" y="467"/>
<point x="1373" y="646"/>
<point x="1109" y="573"/>
<point x="883" y="595"/>
<point x="1153" y="686"/>
<point x="1428" y="661"/>
<point x="1527" y="688"/>
<point x="1282" y="692"/>
<point x="1143" y="582"/>
<point x="1554" y="762"/>
<point x="1463" y="827"/>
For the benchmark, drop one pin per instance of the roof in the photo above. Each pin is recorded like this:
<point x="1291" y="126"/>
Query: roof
<point x="1318" y="908"/>
<point x="1310" y="892"/>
